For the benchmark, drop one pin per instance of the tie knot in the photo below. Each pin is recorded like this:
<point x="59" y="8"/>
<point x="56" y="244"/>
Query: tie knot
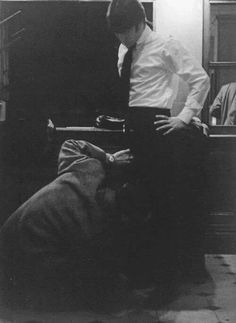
<point x="131" y="48"/>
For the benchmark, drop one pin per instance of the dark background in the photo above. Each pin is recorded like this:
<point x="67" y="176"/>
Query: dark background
<point x="64" y="65"/>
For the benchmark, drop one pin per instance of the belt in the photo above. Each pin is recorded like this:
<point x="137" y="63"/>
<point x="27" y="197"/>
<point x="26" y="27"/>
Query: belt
<point x="142" y="118"/>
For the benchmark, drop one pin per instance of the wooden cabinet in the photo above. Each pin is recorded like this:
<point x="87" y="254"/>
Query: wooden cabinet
<point x="221" y="185"/>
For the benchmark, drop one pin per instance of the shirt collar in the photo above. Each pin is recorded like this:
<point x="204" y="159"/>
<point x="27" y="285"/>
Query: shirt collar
<point x="144" y="36"/>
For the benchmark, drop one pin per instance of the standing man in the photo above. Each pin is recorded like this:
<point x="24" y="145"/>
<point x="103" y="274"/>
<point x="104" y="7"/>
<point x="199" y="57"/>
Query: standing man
<point x="168" y="149"/>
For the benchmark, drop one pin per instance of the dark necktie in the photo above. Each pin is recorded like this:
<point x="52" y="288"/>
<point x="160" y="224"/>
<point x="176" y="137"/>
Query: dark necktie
<point x="125" y="75"/>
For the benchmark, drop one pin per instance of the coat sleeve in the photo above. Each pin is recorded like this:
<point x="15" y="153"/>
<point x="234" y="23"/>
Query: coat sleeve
<point x="77" y="151"/>
<point x="215" y="109"/>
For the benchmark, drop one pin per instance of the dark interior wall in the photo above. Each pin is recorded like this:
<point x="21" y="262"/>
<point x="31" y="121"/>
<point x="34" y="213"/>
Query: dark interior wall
<point x="64" y="66"/>
<point x="65" y="60"/>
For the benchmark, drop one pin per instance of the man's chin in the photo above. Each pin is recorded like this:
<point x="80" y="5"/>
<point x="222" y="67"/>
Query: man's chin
<point x="129" y="45"/>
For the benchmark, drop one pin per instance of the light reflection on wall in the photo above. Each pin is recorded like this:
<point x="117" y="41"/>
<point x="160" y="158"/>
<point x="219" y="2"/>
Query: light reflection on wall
<point x="183" y="20"/>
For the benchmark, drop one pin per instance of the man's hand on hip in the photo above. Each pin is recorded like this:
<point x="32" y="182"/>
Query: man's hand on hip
<point x="166" y="125"/>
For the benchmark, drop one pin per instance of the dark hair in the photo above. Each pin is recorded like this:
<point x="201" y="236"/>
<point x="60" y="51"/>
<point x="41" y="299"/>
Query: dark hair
<point x="124" y="14"/>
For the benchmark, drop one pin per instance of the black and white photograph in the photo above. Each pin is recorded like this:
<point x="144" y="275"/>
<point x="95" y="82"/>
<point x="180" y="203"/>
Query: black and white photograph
<point x="117" y="161"/>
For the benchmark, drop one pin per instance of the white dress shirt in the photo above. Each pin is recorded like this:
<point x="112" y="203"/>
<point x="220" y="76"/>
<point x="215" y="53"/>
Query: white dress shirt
<point x="153" y="81"/>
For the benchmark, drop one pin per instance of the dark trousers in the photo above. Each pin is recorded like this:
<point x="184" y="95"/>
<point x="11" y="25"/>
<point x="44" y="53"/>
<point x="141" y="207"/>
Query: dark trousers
<point x="171" y="169"/>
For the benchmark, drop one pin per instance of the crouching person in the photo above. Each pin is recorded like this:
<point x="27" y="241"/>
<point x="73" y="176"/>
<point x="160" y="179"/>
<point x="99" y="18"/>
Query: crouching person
<point x="59" y="247"/>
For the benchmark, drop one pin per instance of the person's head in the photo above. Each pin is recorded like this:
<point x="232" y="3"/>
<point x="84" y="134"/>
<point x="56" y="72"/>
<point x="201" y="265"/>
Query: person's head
<point x="127" y="19"/>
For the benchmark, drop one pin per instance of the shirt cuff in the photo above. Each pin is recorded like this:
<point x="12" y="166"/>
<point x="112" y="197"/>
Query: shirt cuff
<point x="186" y="115"/>
<point x="192" y="109"/>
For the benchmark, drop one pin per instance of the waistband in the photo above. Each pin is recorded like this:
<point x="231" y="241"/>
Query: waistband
<point x="149" y="110"/>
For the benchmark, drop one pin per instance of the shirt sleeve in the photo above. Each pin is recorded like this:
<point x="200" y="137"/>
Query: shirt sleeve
<point x="180" y="62"/>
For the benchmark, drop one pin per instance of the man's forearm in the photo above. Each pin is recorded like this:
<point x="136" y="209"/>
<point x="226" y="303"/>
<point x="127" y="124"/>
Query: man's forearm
<point x="78" y="151"/>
